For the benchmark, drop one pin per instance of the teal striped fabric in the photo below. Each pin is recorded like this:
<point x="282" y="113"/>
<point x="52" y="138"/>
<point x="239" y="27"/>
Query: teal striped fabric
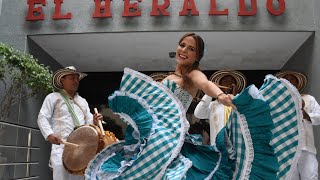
<point x="178" y="168"/>
<point x="148" y="153"/>
<point x="271" y="116"/>
<point x="257" y="160"/>
<point x="284" y="101"/>
<point x="236" y="136"/>
<point x="258" y="142"/>
<point x="166" y="141"/>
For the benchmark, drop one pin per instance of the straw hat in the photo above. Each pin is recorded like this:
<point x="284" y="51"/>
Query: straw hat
<point x="241" y="80"/>
<point x="302" y="79"/>
<point x="56" y="78"/>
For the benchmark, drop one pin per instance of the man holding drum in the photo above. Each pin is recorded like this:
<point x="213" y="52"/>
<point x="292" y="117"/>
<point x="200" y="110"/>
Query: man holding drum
<point x="61" y="113"/>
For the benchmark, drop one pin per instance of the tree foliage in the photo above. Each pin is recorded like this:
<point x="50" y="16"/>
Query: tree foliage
<point x="22" y="77"/>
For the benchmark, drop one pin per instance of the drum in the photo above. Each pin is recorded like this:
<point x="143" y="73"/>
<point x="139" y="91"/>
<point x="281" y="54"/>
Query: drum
<point x="91" y="141"/>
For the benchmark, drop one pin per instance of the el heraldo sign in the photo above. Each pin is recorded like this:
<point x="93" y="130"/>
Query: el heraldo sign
<point x="131" y="9"/>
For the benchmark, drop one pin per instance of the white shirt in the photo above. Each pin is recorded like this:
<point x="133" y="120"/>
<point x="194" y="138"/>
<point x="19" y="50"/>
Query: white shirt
<point x="313" y="109"/>
<point x="54" y="118"/>
<point x="214" y="111"/>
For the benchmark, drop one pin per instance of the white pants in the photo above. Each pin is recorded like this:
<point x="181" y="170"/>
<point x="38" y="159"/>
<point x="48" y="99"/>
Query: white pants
<point x="307" y="168"/>
<point x="59" y="173"/>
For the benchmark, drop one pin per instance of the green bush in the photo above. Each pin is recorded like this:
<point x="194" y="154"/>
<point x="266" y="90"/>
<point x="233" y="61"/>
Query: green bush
<point x="17" y="71"/>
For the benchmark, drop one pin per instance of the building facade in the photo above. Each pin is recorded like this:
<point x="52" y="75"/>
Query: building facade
<point x="30" y="26"/>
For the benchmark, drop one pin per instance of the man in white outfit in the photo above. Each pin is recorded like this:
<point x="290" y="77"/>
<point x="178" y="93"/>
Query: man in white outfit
<point x="60" y="113"/>
<point x="231" y="82"/>
<point x="307" y="168"/>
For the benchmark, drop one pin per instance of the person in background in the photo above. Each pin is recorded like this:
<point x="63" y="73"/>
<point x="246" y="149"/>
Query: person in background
<point x="61" y="113"/>
<point x="307" y="167"/>
<point x="231" y="82"/>
<point x="201" y="128"/>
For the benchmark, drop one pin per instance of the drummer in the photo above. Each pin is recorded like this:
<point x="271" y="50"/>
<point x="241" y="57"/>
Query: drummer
<point x="60" y="113"/>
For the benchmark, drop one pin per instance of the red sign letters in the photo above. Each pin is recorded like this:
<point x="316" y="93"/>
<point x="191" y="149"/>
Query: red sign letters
<point x="131" y="9"/>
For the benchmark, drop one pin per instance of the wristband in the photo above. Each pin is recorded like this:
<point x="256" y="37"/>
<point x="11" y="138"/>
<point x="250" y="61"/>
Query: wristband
<point x="218" y="96"/>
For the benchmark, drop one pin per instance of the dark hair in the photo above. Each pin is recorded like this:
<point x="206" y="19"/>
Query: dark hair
<point x="198" y="127"/>
<point x="206" y="126"/>
<point x="199" y="55"/>
<point x="195" y="128"/>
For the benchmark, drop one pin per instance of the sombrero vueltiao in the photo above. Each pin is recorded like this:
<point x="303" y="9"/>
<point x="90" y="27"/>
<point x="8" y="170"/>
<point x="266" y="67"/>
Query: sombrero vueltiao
<point x="241" y="80"/>
<point x="302" y="79"/>
<point x="56" y="78"/>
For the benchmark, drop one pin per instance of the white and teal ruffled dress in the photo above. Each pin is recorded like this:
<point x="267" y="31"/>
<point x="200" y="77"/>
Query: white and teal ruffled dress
<point x="260" y="140"/>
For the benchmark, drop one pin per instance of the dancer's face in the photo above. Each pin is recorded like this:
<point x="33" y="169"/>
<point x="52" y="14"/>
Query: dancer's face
<point x="186" y="51"/>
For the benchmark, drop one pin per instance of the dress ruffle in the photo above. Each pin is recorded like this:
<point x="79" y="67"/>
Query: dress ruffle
<point x="260" y="140"/>
<point x="256" y="159"/>
<point x="266" y="143"/>
<point x="285" y="104"/>
<point x="156" y="131"/>
<point x="252" y="146"/>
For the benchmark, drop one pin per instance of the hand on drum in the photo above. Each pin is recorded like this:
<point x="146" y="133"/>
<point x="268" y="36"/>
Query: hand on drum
<point x="54" y="140"/>
<point x="96" y="118"/>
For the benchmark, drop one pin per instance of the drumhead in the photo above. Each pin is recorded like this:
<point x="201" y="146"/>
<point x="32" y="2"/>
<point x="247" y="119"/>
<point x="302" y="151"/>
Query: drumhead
<point x="76" y="159"/>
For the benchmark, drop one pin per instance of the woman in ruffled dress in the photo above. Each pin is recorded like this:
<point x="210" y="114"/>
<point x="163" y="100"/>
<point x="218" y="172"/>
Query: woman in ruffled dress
<point x="157" y="145"/>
